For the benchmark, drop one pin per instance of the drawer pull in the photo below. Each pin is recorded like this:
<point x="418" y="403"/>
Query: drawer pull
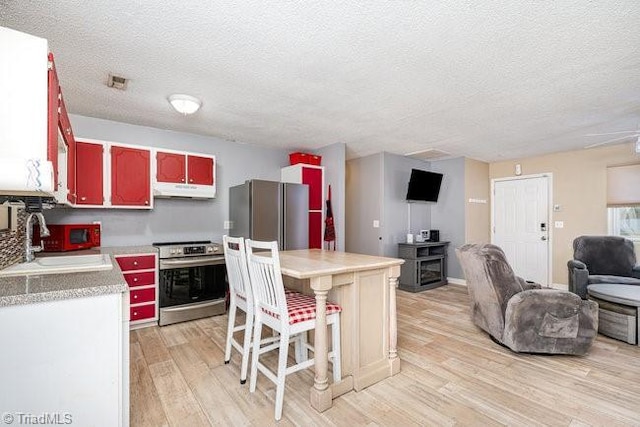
<point x="135" y="262"/>
<point x="135" y="313"/>
<point x="135" y="279"/>
<point x="135" y="297"/>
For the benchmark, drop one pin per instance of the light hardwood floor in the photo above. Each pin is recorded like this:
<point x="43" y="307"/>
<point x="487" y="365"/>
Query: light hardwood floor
<point x="451" y="374"/>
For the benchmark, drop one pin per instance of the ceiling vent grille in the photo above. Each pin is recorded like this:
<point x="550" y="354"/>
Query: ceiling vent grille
<point x="428" y="154"/>
<point x="117" y="82"/>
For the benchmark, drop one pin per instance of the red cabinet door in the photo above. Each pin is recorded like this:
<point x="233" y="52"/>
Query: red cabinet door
<point x="170" y="167"/>
<point x="315" y="230"/>
<point x="200" y="170"/>
<point x="130" y="176"/>
<point x="52" y="119"/>
<point x="313" y="178"/>
<point x="69" y="140"/>
<point x="89" y="173"/>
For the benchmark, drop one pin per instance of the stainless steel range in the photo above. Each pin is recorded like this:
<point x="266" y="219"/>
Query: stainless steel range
<point x="192" y="281"/>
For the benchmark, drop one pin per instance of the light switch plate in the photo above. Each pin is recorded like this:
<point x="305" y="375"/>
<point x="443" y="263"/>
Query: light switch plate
<point x="228" y="225"/>
<point x="376" y="223"/>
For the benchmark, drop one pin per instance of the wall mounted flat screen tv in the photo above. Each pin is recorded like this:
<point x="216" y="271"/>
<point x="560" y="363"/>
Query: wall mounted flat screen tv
<point x="424" y="186"/>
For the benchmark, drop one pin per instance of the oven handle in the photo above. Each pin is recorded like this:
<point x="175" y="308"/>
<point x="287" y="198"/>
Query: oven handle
<point x="171" y="264"/>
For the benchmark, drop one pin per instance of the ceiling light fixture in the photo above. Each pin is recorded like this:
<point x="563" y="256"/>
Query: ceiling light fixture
<point x="185" y="104"/>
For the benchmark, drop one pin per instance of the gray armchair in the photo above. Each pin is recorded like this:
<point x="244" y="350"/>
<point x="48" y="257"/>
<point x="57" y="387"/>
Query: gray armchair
<point x="517" y="313"/>
<point x="602" y="259"/>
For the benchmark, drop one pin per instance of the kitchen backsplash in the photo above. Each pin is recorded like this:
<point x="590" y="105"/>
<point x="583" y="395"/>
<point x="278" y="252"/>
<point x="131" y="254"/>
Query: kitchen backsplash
<point x="12" y="242"/>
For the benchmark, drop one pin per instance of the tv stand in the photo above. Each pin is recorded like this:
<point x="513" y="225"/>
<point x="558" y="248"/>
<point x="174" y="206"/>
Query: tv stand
<point x="425" y="265"/>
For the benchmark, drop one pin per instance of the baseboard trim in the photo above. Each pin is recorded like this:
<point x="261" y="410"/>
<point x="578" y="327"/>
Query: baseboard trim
<point x="560" y="286"/>
<point x="456" y="281"/>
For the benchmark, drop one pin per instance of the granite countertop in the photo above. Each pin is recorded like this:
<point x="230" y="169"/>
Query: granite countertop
<point x="30" y="289"/>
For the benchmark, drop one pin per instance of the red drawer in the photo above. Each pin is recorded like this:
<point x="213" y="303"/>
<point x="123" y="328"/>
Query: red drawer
<point x="142" y="295"/>
<point x="143" y="312"/>
<point x="140" y="279"/>
<point x="136" y="262"/>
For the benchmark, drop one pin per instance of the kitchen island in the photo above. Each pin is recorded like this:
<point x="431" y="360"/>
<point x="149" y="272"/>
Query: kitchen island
<point x="365" y="288"/>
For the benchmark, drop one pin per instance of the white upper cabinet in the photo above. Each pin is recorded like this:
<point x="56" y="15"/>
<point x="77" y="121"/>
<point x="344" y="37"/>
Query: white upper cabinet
<point x="23" y="114"/>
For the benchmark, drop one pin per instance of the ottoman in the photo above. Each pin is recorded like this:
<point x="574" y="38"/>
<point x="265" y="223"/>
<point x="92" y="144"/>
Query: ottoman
<point x="619" y="306"/>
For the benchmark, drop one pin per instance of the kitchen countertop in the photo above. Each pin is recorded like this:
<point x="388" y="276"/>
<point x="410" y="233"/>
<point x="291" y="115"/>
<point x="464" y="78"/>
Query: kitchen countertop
<point x="30" y="289"/>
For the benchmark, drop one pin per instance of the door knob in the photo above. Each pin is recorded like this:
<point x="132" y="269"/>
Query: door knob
<point x="543" y="238"/>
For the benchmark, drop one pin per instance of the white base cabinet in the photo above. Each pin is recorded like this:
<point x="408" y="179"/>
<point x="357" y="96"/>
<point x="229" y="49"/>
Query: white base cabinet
<point x="67" y="360"/>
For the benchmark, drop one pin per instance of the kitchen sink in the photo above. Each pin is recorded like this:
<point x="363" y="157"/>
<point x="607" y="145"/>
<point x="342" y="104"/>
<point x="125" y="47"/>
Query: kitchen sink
<point x="60" y="264"/>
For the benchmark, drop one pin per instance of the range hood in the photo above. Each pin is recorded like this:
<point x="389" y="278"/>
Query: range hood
<point x="26" y="177"/>
<point x="183" y="190"/>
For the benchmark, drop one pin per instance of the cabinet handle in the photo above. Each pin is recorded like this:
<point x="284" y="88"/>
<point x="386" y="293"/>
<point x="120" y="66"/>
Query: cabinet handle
<point x="135" y="297"/>
<point x="135" y="279"/>
<point x="83" y="198"/>
<point x="135" y="313"/>
<point x="182" y="179"/>
<point x="146" y="202"/>
<point x="135" y="262"/>
<point x="191" y="180"/>
<point x="68" y="131"/>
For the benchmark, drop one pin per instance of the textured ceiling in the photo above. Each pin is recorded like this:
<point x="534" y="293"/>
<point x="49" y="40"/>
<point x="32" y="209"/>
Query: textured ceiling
<point x="488" y="80"/>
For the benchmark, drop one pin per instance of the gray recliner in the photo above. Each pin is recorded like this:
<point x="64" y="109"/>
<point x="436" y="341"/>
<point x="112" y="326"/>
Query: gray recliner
<point x="519" y="314"/>
<point x="602" y="259"/>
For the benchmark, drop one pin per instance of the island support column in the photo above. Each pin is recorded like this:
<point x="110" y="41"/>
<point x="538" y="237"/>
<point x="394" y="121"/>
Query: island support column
<point x="394" y="360"/>
<point x="321" y="396"/>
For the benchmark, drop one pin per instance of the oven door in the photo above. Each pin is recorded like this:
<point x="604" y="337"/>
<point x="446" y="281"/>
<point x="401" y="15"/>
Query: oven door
<point x="192" y="280"/>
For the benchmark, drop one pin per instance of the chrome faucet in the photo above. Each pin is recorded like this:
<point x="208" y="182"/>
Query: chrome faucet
<point x="44" y="232"/>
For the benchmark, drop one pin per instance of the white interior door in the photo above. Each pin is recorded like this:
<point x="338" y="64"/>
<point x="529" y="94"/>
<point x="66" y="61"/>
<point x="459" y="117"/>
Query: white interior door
<point x="521" y="225"/>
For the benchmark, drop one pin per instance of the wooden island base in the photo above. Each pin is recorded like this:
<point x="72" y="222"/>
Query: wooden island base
<point x="365" y="288"/>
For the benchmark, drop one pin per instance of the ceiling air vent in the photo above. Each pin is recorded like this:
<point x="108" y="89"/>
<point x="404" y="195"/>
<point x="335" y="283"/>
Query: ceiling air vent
<point x="117" y="82"/>
<point x="428" y="154"/>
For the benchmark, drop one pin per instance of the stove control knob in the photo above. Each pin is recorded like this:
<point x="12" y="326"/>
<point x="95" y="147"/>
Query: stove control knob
<point x="209" y="248"/>
<point x="173" y="251"/>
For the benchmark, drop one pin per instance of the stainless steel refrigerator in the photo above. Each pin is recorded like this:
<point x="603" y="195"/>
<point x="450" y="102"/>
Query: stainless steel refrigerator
<point x="270" y="210"/>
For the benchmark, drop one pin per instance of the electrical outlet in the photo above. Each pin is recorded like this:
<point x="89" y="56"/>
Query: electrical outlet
<point x="376" y="223"/>
<point x="228" y="225"/>
<point x="559" y="224"/>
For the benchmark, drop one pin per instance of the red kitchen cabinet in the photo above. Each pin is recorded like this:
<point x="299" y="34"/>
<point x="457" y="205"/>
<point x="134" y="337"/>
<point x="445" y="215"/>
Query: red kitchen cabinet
<point x="64" y="126"/>
<point x="200" y="170"/>
<point x="130" y="176"/>
<point x="184" y="174"/>
<point x="53" y="105"/>
<point x="89" y="172"/>
<point x="171" y="167"/>
<point x="313" y="176"/>
<point x="141" y="274"/>
<point x="61" y="144"/>
<point x="315" y="230"/>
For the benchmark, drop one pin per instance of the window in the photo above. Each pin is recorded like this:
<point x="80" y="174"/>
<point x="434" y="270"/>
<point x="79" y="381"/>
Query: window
<point x="625" y="221"/>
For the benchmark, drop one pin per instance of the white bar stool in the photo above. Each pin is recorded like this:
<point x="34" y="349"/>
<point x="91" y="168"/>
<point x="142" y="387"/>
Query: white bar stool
<point x="288" y="313"/>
